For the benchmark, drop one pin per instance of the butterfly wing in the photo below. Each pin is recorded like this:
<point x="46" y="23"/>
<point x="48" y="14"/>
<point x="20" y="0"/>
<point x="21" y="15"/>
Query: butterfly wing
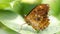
<point x="38" y="18"/>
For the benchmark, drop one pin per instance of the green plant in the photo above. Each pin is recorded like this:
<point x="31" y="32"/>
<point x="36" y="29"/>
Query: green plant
<point x="12" y="13"/>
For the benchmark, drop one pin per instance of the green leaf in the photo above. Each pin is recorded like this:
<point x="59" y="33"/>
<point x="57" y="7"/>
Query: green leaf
<point x="10" y="19"/>
<point x="58" y="32"/>
<point x="5" y="1"/>
<point x="4" y="5"/>
<point x="55" y="6"/>
<point x="7" y="14"/>
<point x="23" y="7"/>
<point x="7" y="18"/>
<point x="6" y="30"/>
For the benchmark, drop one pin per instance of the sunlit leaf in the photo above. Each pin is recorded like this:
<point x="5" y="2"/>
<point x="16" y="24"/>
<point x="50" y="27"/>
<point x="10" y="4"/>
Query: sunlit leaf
<point x="6" y="30"/>
<point x="4" y="5"/>
<point x="6" y="17"/>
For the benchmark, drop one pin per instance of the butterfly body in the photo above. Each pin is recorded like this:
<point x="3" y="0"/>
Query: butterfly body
<point x="38" y="17"/>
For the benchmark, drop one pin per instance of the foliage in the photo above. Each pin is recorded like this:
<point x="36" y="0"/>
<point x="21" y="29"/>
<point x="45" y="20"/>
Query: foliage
<point x="11" y="17"/>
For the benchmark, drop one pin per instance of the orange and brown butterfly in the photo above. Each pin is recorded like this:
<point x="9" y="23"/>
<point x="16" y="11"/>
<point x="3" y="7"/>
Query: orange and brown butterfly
<point x="38" y="17"/>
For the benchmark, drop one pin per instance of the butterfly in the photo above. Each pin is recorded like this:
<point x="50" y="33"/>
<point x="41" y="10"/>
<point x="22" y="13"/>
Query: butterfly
<point x="38" y="17"/>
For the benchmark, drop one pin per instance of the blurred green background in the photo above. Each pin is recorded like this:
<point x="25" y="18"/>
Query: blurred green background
<point x="10" y="9"/>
